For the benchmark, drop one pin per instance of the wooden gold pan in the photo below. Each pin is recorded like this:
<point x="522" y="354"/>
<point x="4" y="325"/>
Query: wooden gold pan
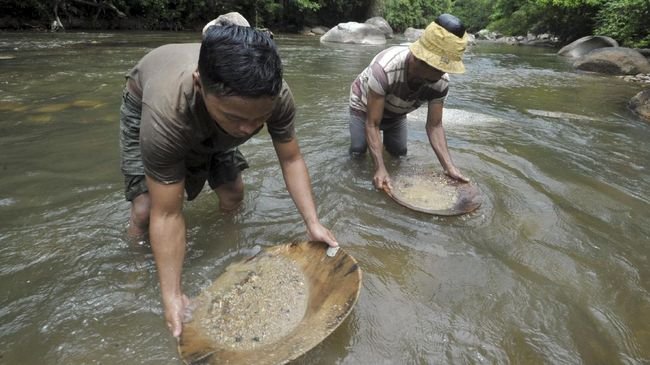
<point x="434" y="193"/>
<point x="272" y="307"/>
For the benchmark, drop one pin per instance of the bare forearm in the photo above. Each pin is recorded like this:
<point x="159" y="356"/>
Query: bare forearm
<point x="375" y="145"/>
<point x="167" y="233"/>
<point x="374" y="116"/>
<point x="438" y="142"/>
<point x="298" y="184"/>
<point x="299" y="187"/>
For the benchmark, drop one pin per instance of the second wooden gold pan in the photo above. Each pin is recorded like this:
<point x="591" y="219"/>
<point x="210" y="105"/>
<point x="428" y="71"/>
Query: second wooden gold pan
<point x="434" y="193"/>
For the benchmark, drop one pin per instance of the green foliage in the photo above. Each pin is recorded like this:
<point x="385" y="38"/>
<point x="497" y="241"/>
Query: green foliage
<point x="624" y="20"/>
<point x="345" y="9"/>
<point x="402" y="14"/>
<point x="475" y="14"/>
<point x="568" y="4"/>
<point x="566" y="19"/>
<point x="515" y="17"/>
<point x="308" y="5"/>
<point x="567" y="24"/>
<point x="627" y="21"/>
<point x="324" y="12"/>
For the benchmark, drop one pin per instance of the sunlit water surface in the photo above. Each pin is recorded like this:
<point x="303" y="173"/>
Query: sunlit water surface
<point x="552" y="269"/>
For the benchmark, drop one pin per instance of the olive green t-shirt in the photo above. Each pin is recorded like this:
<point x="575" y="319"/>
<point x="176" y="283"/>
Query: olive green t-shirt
<point x="177" y="134"/>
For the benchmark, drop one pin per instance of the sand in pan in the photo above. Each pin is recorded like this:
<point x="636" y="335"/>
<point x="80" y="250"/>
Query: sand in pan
<point x="260" y="303"/>
<point x="429" y="191"/>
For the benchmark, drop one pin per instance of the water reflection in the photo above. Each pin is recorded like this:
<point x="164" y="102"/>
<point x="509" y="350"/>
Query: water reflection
<point x="553" y="268"/>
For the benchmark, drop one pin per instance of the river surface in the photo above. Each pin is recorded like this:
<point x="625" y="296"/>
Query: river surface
<point x="553" y="268"/>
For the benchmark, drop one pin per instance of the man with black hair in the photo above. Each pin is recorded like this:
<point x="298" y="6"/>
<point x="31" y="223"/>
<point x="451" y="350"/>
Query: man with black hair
<point x="398" y="81"/>
<point x="185" y="109"/>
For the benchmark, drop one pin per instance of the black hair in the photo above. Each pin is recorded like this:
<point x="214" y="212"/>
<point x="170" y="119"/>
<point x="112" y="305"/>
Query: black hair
<point x="237" y="60"/>
<point x="452" y="24"/>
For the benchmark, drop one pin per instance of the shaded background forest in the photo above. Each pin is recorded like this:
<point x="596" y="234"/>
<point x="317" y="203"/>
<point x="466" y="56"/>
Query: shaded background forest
<point x="624" y="20"/>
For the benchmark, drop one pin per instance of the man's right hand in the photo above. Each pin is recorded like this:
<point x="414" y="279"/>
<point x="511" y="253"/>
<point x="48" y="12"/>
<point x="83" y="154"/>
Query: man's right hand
<point x="178" y="310"/>
<point x="382" y="180"/>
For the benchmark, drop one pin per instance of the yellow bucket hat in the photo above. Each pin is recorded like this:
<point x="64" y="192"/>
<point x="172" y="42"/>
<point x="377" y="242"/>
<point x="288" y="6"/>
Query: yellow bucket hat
<point x="441" y="49"/>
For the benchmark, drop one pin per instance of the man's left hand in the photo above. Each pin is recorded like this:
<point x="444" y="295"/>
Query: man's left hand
<point x="455" y="174"/>
<point x="317" y="232"/>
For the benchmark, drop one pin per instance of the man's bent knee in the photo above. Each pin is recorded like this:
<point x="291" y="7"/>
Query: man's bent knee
<point x="230" y="194"/>
<point x="230" y="201"/>
<point x="140" y="210"/>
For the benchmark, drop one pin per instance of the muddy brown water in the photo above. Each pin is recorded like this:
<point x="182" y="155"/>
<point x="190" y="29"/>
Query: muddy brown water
<point x="553" y="268"/>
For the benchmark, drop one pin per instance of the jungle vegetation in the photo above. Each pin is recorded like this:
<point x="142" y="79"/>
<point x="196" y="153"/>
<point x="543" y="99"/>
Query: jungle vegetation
<point x="624" y="20"/>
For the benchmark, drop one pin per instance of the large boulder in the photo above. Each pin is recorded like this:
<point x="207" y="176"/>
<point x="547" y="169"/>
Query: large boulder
<point x="487" y="35"/>
<point x="471" y="39"/>
<point x="319" y="30"/>
<point x="382" y="24"/>
<point x="353" y="32"/>
<point x="584" y="45"/>
<point x="614" y="61"/>
<point x="228" y="18"/>
<point x="312" y="31"/>
<point x="640" y="104"/>
<point x="644" y="51"/>
<point x="412" y="34"/>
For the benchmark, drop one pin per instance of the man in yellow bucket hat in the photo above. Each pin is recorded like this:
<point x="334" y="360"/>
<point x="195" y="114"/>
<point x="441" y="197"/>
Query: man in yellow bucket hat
<point x="399" y="80"/>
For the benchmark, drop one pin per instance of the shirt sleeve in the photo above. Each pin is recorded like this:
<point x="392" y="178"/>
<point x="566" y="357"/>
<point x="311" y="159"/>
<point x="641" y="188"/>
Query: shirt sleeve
<point x="281" y="124"/>
<point x="163" y="152"/>
<point x="377" y="79"/>
<point x="441" y="97"/>
<point x="437" y="92"/>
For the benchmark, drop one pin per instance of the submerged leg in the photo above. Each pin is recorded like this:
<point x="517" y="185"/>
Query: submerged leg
<point x="231" y="194"/>
<point x="139" y="220"/>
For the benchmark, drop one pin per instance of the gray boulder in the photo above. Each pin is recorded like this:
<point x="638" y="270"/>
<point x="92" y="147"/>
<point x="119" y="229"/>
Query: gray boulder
<point x="511" y="40"/>
<point x="319" y="30"/>
<point x="312" y="31"/>
<point x="487" y="35"/>
<point x="638" y="78"/>
<point x="614" y="61"/>
<point x="640" y="104"/>
<point x="382" y="24"/>
<point x="471" y="39"/>
<point x="412" y="34"/>
<point x="228" y="18"/>
<point x="353" y="32"/>
<point x="56" y="25"/>
<point x="644" y="51"/>
<point x="584" y="45"/>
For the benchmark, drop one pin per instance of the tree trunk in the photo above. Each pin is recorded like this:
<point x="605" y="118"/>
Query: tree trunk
<point x="96" y="17"/>
<point x="102" y="5"/>
<point x="375" y="8"/>
<point x="57" y="24"/>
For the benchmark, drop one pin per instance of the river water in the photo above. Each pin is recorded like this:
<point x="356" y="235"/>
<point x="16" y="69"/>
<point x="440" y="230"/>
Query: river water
<point x="553" y="268"/>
